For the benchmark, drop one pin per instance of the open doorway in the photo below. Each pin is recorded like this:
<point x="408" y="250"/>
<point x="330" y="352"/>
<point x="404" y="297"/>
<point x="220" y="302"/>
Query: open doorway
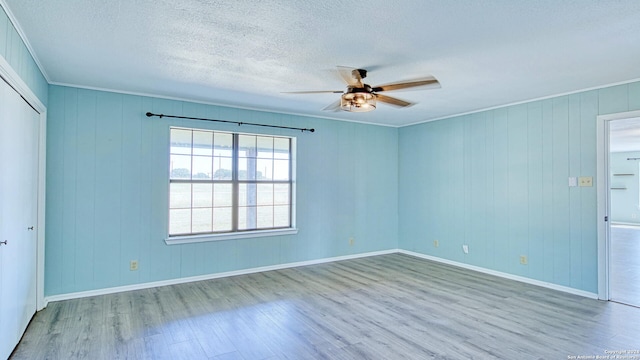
<point x="624" y="210"/>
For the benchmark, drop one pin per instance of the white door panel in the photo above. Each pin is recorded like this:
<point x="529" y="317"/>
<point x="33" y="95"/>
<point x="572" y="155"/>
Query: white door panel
<point x="19" y="127"/>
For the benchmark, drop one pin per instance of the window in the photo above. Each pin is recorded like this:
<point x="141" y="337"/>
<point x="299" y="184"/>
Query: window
<point x="228" y="183"/>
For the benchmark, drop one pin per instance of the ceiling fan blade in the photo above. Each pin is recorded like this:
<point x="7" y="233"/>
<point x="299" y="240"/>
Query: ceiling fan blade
<point x="350" y="75"/>
<point x="314" y="92"/>
<point x="392" y="101"/>
<point x="430" y="82"/>
<point x="334" y="106"/>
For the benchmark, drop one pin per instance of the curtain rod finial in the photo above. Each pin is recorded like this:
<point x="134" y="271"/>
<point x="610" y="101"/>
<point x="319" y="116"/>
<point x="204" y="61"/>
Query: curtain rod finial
<point x="149" y="114"/>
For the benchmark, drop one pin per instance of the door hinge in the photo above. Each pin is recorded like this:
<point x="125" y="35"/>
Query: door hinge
<point x="606" y="218"/>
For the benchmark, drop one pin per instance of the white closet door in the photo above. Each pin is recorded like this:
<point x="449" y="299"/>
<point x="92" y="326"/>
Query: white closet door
<point x="19" y="126"/>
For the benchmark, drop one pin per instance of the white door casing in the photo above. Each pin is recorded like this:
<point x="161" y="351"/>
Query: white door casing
<point x="604" y="202"/>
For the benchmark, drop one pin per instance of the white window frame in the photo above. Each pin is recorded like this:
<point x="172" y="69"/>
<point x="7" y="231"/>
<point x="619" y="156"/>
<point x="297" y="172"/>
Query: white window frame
<point x="237" y="234"/>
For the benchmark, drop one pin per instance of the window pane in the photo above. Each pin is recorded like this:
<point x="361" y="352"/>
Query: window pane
<point x="246" y="209"/>
<point x="281" y="170"/>
<point x="242" y="168"/>
<point x="281" y="148"/>
<point x="222" y="168"/>
<point x="247" y="194"/>
<point x="203" y="143"/>
<point x="202" y="167"/>
<point x="180" y="141"/>
<point x="222" y="195"/>
<point x="247" y="168"/>
<point x="281" y="216"/>
<point x="222" y="144"/>
<point x="281" y="194"/>
<point x="246" y="217"/>
<point x="264" y="169"/>
<point x="265" y="217"/>
<point x="202" y="195"/>
<point x="179" y="221"/>
<point x="222" y="219"/>
<point x="202" y="220"/>
<point x="247" y="146"/>
<point x="180" y="167"/>
<point x="265" y="147"/>
<point x="179" y="196"/>
<point x="265" y="194"/>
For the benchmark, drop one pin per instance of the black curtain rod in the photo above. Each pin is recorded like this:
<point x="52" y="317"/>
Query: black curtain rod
<point x="150" y="114"/>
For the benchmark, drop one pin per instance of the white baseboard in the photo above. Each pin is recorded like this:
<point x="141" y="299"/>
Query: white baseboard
<point x="522" y="279"/>
<point x="117" y="289"/>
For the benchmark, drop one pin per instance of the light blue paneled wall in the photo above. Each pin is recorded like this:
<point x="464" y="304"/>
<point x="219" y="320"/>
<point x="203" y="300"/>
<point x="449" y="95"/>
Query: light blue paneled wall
<point x="494" y="180"/>
<point x="107" y="192"/>
<point x="624" y="183"/>
<point x="15" y="52"/>
<point x="497" y="181"/>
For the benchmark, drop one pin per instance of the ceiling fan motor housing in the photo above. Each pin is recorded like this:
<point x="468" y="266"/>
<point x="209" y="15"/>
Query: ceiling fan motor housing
<point x="364" y="89"/>
<point x="359" y="73"/>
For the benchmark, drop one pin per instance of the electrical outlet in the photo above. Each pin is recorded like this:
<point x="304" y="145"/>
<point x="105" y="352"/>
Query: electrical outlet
<point x="133" y="265"/>
<point x="436" y="243"/>
<point x="524" y="260"/>
<point x="585" y="181"/>
<point x="465" y="248"/>
<point x="351" y="241"/>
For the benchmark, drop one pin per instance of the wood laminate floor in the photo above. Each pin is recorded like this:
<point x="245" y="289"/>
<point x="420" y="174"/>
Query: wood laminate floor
<point x="624" y="270"/>
<point x="384" y="307"/>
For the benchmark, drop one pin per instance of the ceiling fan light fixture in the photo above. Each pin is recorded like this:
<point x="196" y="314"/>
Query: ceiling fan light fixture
<point x="358" y="102"/>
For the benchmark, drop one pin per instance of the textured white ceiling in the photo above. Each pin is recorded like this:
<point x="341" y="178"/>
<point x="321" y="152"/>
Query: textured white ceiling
<point x="245" y="53"/>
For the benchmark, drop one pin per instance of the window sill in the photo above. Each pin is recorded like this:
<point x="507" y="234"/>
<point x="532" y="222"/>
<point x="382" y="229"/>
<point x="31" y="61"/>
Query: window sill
<point x="187" y="239"/>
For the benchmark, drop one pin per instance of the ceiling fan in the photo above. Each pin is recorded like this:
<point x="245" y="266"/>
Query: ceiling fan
<point x="361" y="97"/>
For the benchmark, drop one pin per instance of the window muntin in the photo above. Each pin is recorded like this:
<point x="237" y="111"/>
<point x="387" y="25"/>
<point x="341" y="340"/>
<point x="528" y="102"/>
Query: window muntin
<point x="209" y="195"/>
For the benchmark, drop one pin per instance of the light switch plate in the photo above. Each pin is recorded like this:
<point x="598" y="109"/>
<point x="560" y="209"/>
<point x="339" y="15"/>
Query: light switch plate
<point x="573" y="181"/>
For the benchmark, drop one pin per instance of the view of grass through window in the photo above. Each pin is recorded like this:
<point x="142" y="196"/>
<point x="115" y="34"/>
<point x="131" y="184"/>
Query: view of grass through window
<point x="226" y="182"/>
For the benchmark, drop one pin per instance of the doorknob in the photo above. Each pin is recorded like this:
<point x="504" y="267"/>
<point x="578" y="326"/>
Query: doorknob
<point x="30" y="228"/>
<point x="3" y="242"/>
